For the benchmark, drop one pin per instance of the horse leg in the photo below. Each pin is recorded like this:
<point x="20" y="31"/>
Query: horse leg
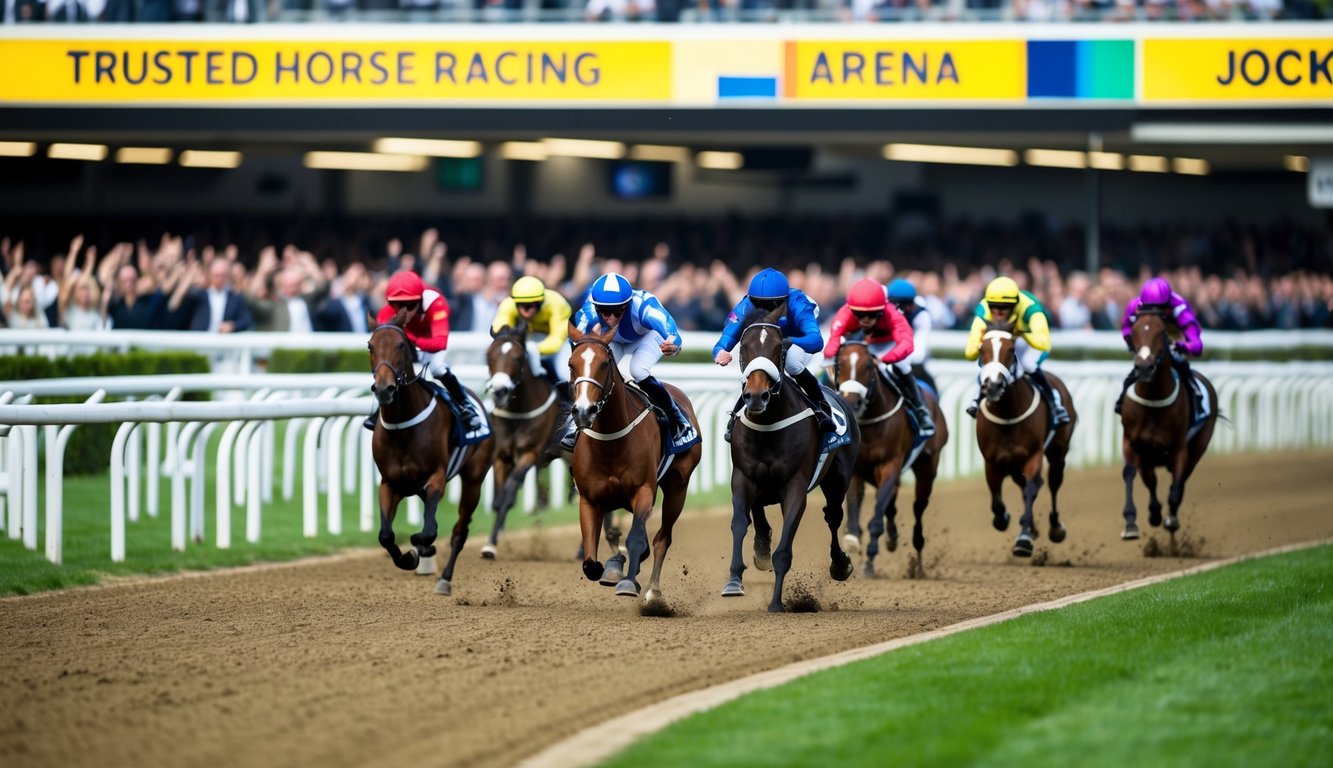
<point x="763" y="538"/>
<point x="637" y="541"/>
<point x="613" y="533"/>
<point x="890" y="475"/>
<point x="1027" y="528"/>
<point x="467" y="506"/>
<point x="740" y="523"/>
<point x="590" y="526"/>
<point x="1179" y="473"/>
<point x="793" y="509"/>
<point x="851" y="540"/>
<point x="873" y="532"/>
<point x="425" y="540"/>
<point x="673" y="501"/>
<point x="389" y="501"/>
<point x="505" y="497"/>
<point x="1149" y="475"/>
<point x="499" y="505"/>
<point x="835" y="493"/>
<point x="1056" y="461"/>
<point x="1131" y="531"/>
<point x="995" y="481"/>
<point x="924" y="469"/>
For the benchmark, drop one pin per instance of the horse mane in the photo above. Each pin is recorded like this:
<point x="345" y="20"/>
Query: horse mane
<point x="992" y="325"/>
<point x="518" y="333"/>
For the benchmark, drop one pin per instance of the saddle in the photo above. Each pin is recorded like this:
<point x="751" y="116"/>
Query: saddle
<point x="671" y="445"/>
<point x="458" y="438"/>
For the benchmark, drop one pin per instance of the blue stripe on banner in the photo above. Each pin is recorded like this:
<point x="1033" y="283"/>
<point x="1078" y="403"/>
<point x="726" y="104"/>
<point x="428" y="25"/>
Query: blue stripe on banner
<point x="1051" y="69"/>
<point x="747" y="87"/>
<point x="1083" y="70"/>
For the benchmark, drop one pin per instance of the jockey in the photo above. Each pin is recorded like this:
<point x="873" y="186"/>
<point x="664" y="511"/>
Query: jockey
<point x="644" y="333"/>
<point x="1004" y="303"/>
<point x="887" y="335"/>
<point x="902" y="294"/>
<point x="546" y="314"/>
<point x="1158" y="296"/>
<point x="800" y="324"/>
<point x="427" y="326"/>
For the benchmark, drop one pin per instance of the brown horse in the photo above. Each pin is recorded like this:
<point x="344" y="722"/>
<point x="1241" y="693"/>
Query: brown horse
<point x="411" y="447"/>
<point x="616" y="464"/>
<point x="1014" y="436"/>
<point x="776" y="459"/>
<point x="886" y="446"/>
<point x="1157" y="419"/>
<point x="525" y="418"/>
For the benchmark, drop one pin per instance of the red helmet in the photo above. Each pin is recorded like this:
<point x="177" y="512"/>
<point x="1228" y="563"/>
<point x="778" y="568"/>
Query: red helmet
<point x="866" y="296"/>
<point x="404" y="286"/>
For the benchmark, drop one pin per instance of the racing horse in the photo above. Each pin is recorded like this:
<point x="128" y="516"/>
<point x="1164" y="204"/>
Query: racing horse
<point x="1157" y="423"/>
<point x="1014" y="435"/>
<point x="887" y="448"/>
<point x="525" y="418"/>
<point x="620" y="462"/>
<point x="412" y="448"/>
<point x="777" y="458"/>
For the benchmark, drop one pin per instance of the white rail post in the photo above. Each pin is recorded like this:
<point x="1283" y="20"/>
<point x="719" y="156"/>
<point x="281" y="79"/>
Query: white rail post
<point x="57" y="438"/>
<point x="180" y="468"/>
<point x="369" y="488"/>
<point x="310" y="478"/>
<point x="155" y="455"/>
<point x="118" y="512"/>
<point x="5" y="399"/>
<point x="29" y="465"/>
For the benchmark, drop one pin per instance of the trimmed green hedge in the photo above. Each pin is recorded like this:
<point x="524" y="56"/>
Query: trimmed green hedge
<point x="318" y="361"/>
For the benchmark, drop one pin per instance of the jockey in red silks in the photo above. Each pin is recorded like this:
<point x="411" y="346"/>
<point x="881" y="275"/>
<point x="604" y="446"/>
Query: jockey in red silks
<point x="1157" y="296"/>
<point x="888" y="335"/>
<point x="427" y="326"/>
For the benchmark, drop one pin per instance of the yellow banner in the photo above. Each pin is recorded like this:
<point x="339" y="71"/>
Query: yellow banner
<point x="912" y="70"/>
<point x="1269" y="70"/>
<point x="105" y="71"/>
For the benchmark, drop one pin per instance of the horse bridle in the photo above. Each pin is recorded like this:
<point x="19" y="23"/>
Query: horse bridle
<point x="1011" y="370"/>
<point x="873" y="388"/>
<point x="1166" y="347"/>
<point x="749" y="367"/>
<point x="399" y="376"/>
<point x="606" y="387"/>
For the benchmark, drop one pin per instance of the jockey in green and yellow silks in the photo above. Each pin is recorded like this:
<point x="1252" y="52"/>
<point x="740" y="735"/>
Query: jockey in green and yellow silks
<point x="1003" y="302"/>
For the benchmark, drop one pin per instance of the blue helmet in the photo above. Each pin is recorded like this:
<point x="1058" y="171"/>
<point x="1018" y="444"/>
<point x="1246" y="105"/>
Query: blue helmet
<point x="769" y="284"/>
<point x="611" y="290"/>
<point x="901" y="290"/>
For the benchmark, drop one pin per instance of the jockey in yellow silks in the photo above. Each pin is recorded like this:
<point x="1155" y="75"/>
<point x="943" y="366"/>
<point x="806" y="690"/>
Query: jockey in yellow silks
<point x="546" y="314"/>
<point x="1003" y="302"/>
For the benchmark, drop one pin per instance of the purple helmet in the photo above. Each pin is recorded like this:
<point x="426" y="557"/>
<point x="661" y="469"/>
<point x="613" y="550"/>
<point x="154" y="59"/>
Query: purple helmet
<point x="1156" y="291"/>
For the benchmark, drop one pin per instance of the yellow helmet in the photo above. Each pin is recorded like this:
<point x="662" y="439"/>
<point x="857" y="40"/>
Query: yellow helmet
<point x="528" y="289"/>
<point x="1002" y="290"/>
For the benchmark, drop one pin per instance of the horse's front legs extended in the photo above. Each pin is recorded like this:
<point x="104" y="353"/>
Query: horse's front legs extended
<point x="793" y="509"/>
<point x="1131" y="513"/>
<point x="590" y="525"/>
<point x="637" y="541"/>
<point x="1179" y="473"/>
<point x="995" y="482"/>
<point x="467" y="505"/>
<point x="506" y="485"/>
<point x="389" y="501"/>
<point x="1031" y="482"/>
<point x="835" y="493"/>
<point x="851" y="540"/>
<point x="1149" y="475"/>
<point x="763" y="538"/>
<point x="740" y="523"/>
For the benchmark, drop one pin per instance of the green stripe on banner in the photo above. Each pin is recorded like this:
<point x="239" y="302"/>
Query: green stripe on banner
<point x="1112" y="70"/>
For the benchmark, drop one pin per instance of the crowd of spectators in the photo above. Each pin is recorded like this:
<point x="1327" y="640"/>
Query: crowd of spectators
<point x="860" y="11"/>
<point x="1237" y="278"/>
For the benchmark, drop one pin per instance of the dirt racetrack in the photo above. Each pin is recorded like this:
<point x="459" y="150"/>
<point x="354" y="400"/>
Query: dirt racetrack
<point x="348" y="662"/>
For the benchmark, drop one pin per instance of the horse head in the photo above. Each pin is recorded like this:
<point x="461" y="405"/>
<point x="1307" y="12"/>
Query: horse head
<point x="763" y="355"/>
<point x="1150" y="341"/>
<point x="592" y="372"/>
<point x="854" y="374"/>
<point x="392" y="359"/>
<point x="507" y="360"/>
<point x="999" y="360"/>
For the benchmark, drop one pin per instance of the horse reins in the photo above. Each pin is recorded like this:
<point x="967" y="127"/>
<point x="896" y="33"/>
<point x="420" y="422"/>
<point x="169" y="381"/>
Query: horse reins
<point x="399" y="377"/>
<point x="525" y="373"/>
<point x="762" y="363"/>
<point x="870" y="391"/>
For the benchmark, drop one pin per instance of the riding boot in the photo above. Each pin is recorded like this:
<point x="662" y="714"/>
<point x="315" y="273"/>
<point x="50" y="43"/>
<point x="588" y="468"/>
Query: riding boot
<point x="462" y="403"/>
<point x="564" y="395"/>
<point x="1057" y="408"/>
<point x="571" y="437"/>
<point x="731" y="421"/>
<point x="1129" y="382"/>
<point x="374" y="416"/>
<point x="662" y="398"/>
<point x="972" y="406"/>
<point x="823" y="415"/>
<point x="912" y="393"/>
<point x="1182" y="366"/>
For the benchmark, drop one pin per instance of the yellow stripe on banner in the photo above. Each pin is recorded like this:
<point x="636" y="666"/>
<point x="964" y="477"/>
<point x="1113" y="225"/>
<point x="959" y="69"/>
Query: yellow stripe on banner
<point x="908" y="70"/>
<point x="1268" y="70"/>
<point x="107" y="71"/>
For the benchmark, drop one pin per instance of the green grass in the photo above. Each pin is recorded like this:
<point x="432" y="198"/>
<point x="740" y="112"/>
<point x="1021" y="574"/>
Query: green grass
<point x="87" y="534"/>
<point x="1229" y="668"/>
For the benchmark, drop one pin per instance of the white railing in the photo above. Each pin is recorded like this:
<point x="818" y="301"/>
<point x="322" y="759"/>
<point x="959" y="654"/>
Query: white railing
<point x="1271" y="406"/>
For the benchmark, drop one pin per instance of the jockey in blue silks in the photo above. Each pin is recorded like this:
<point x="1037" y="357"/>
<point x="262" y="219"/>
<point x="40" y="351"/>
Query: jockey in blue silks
<point x="799" y="324"/>
<point x="645" y="332"/>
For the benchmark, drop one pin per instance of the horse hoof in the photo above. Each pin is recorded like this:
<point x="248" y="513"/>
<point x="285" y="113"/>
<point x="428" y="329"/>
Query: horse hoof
<point x="868" y="570"/>
<point x="444" y="587"/>
<point x="892" y="544"/>
<point x="1023" y="547"/>
<point x="426" y="566"/>
<point x="733" y="588"/>
<point x="627" y="588"/>
<point x="1001" y="521"/>
<point x="777" y="607"/>
<point x="852" y="544"/>
<point x="1154" y="518"/>
<point x="592" y="570"/>
<point x="1172" y="523"/>
<point x="611" y="577"/>
<point x="1058" y="534"/>
<point x="1130" y="533"/>
<point x="763" y="562"/>
<point x="840" y="571"/>
<point x="652" y="595"/>
<point x="409" y="561"/>
<point x="488" y="552"/>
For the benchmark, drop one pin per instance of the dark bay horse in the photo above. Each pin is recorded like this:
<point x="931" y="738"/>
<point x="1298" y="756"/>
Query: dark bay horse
<point x="1012" y="433"/>
<point x="886" y="446"/>
<point x="525" y="418"/>
<point x="775" y="458"/>
<point x="1156" y="417"/>
<point x="616" y="464"/>
<point x="411" y="447"/>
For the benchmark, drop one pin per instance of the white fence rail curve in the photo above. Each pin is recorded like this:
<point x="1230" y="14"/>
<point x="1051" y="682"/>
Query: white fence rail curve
<point x="1270" y="406"/>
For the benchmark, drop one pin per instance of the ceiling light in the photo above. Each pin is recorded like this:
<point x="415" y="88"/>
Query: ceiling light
<point x="1190" y="166"/>
<point x="720" y="161"/>
<point x="601" y="150"/>
<point x="1240" y="133"/>
<point x="523" y="150"/>
<point x="428" y="147"/>
<point x="938" y="153"/>
<point x="77" y="151"/>
<point x="144" y="155"/>
<point x="1148" y="163"/>
<point x="1056" y="158"/>
<point x="364" y="161"/>
<point x="1106" y="161"/>
<point x="1297" y="163"/>
<point x="659" y="153"/>
<point x="210" y="158"/>
<point x="18" y="148"/>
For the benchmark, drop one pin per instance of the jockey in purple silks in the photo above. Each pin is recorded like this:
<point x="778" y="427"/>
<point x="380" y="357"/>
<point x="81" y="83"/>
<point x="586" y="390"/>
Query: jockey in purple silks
<point x="1158" y="296"/>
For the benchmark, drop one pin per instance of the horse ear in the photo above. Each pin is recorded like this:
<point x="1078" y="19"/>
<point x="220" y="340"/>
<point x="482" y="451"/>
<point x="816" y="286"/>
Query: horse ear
<point x="574" y="333"/>
<point x="522" y="328"/>
<point x="495" y="333"/>
<point x="371" y="322"/>
<point x="777" y="313"/>
<point x="606" y="335"/>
